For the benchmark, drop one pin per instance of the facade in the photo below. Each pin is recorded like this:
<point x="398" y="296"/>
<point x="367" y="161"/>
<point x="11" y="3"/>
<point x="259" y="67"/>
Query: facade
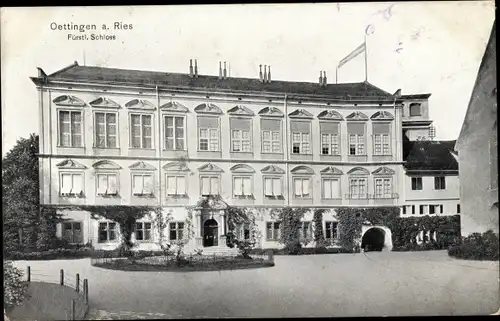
<point x="477" y="150"/>
<point x="123" y="137"/>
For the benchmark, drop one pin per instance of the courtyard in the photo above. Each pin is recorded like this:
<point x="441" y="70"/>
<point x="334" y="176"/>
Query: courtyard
<point x="335" y="285"/>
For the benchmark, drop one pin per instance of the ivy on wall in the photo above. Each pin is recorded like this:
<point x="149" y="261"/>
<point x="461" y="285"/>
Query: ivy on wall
<point x="319" y="237"/>
<point x="239" y="217"/>
<point x="290" y="224"/>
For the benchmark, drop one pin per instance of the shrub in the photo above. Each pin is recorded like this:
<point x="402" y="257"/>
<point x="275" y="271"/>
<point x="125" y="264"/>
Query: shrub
<point x="60" y="253"/>
<point x="14" y="285"/>
<point x="477" y="246"/>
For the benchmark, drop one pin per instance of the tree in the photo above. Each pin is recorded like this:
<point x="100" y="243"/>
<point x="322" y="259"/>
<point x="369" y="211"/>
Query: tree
<point x="23" y="222"/>
<point x="14" y="286"/>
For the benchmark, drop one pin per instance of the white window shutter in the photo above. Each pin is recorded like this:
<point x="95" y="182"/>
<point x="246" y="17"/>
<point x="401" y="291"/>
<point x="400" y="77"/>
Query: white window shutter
<point x="66" y="183"/>
<point x="336" y="188"/>
<point x="102" y="184"/>
<point x="268" y="186"/>
<point x="238" y="190"/>
<point x="137" y="184"/>
<point x="148" y="184"/>
<point x="298" y="186"/>
<point x="181" y="185"/>
<point x="112" y="184"/>
<point x="305" y="187"/>
<point x="171" y="185"/>
<point x="247" y="186"/>
<point x="205" y="185"/>
<point x="277" y="187"/>
<point x="327" y="188"/>
<point x="77" y="184"/>
<point x="214" y="185"/>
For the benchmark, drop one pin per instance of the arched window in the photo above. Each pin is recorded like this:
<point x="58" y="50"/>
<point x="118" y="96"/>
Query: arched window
<point x="415" y="109"/>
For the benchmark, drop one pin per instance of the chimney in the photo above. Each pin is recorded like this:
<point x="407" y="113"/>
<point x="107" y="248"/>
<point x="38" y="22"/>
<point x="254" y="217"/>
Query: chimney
<point x="41" y="73"/>
<point x="220" y="70"/>
<point x="325" y="82"/>
<point x="269" y="74"/>
<point x="261" y="78"/>
<point x="191" y="68"/>
<point x="265" y="73"/>
<point x="195" y="68"/>
<point x="225" y="71"/>
<point x="398" y="93"/>
<point x="320" y="78"/>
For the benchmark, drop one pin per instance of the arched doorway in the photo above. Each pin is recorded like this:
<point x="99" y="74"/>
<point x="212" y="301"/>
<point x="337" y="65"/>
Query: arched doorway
<point x="373" y="239"/>
<point x="210" y="233"/>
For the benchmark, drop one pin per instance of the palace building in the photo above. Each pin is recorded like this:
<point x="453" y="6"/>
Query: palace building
<point x="129" y="137"/>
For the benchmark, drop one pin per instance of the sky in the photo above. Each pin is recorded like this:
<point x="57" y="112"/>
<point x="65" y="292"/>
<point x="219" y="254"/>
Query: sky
<point x="418" y="47"/>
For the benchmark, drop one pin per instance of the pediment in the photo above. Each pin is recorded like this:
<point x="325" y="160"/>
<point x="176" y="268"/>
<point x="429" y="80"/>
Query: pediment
<point x="140" y="104"/>
<point x="242" y="168"/>
<point x="103" y="102"/>
<point x="140" y="165"/>
<point x="176" y="167"/>
<point x="70" y="164"/>
<point x="209" y="167"/>
<point x="208" y="108"/>
<point x="173" y="106"/>
<point x="211" y="202"/>
<point x="272" y="169"/>
<point x="357" y="115"/>
<point x="382" y="115"/>
<point x="302" y="170"/>
<point x="106" y="164"/>
<point x="383" y="171"/>
<point x="330" y="115"/>
<point x="271" y="112"/>
<point x="240" y="110"/>
<point x="358" y="171"/>
<point x="68" y="100"/>
<point x="330" y="170"/>
<point x="300" y="113"/>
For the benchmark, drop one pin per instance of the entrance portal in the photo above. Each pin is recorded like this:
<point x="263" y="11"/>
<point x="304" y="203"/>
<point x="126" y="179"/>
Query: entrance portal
<point x="210" y="235"/>
<point x="373" y="239"/>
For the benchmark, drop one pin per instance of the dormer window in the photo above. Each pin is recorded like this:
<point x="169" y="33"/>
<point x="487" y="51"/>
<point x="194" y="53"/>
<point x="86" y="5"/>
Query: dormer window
<point x="415" y="109"/>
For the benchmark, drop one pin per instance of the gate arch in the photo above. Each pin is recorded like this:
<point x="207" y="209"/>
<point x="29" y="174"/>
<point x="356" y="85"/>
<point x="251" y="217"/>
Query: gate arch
<point x="376" y="238"/>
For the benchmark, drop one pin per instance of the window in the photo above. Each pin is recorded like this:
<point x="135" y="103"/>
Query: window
<point x="176" y="185"/>
<point x="301" y="144"/>
<point x="356" y="145"/>
<point x="142" y="184"/>
<point x="272" y="231"/>
<point x="105" y="130"/>
<point x="107" y="232"/>
<point x="272" y="186"/>
<point x="72" y="232"/>
<point x="240" y="135"/>
<point x="413" y="209"/>
<point x="458" y="208"/>
<point x="422" y="209"/>
<point x="243" y="231"/>
<point x="210" y="185"/>
<point x="141" y="131"/>
<point x="383" y="187"/>
<point x="70" y="128"/>
<point x="301" y="138"/>
<point x="432" y="209"/>
<point x="208" y="133"/>
<point x="358" y="188"/>
<point x="329" y="138"/>
<point x="381" y="138"/>
<point x="441" y="209"/>
<point x="71" y="183"/>
<point x="271" y="135"/>
<point x="416" y="183"/>
<point x="331" y="230"/>
<point x="302" y="187"/>
<point x="143" y="231"/>
<point x="174" y="133"/>
<point x="305" y="230"/>
<point x="331" y="188"/>
<point x="242" y="186"/>
<point x="176" y="231"/>
<point x="415" y="109"/>
<point x="106" y="184"/>
<point x="404" y="210"/>
<point x="439" y="182"/>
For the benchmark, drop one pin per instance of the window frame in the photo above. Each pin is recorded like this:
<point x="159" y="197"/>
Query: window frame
<point x="272" y="178"/>
<point x="301" y="143"/>
<point x="276" y="232"/>
<point x="357" y="145"/>
<point x="72" y="222"/>
<point x="383" y="151"/>
<point x="107" y="173"/>
<point x="210" y="176"/>
<point x="116" y="230"/>
<point x="250" y="177"/>
<point x="209" y="129"/>
<point x="176" y="229"/>
<point x="174" y="137"/>
<point x="416" y="185"/>
<point x="141" y="114"/>
<point x="383" y="195"/>
<point x="419" y="105"/>
<point x="143" y="229"/>
<point x="439" y="183"/>
<point x="142" y="173"/>
<point x="330" y="144"/>
<point x="271" y="141"/>
<point x="82" y="125"/>
<point x="359" y="195"/>
<point x="117" y="138"/>
<point x="330" y="178"/>
<point x="72" y="173"/>
<point x="302" y="178"/>
<point x="309" y="230"/>
<point x="176" y="175"/>
<point x="333" y="233"/>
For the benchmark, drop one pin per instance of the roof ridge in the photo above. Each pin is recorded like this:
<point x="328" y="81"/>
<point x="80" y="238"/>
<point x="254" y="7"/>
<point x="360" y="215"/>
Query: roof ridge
<point x="74" y="64"/>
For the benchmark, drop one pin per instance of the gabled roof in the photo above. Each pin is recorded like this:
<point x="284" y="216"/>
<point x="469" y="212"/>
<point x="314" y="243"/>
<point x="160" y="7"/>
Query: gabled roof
<point x="429" y="156"/>
<point x="101" y="75"/>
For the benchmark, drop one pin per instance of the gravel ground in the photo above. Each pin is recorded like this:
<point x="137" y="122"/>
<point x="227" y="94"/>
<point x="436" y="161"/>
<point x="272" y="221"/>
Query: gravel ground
<point x="333" y="285"/>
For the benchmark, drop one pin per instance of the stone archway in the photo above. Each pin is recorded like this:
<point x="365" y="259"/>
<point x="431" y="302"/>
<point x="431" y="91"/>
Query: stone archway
<point x="376" y="238"/>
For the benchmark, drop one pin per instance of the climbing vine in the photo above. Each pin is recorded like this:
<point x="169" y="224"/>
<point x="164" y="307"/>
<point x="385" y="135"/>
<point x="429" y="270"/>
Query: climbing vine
<point x="290" y="224"/>
<point x="319" y="238"/>
<point x="237" y="219"/>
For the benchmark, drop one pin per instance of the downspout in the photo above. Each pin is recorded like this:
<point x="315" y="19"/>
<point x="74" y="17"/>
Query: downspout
<point x="158" y="148"/>
<point x="286" y="151"/>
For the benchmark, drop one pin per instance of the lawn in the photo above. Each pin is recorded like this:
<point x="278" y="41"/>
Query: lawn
<point x="336" y="285"/>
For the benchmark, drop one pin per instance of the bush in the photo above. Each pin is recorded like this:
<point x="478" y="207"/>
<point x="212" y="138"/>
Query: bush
<point x="14" y="286"/>
<point x="477" y="246"/>
<point x="53" y="254"/>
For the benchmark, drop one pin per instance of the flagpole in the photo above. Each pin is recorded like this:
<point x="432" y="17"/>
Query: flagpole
<point x="366" y="61"/>
<point x="337" y="75"/>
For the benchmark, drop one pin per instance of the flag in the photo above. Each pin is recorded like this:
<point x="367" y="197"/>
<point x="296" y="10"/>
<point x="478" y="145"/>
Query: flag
<point x="356" y="52"/>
